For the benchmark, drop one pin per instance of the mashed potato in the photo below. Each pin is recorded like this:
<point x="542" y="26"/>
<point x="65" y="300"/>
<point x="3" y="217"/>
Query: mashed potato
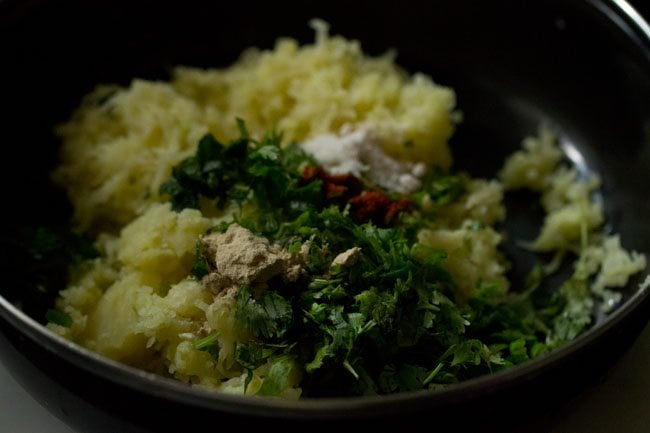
<point x="138" y="304"/>
<point x="302" y="91"/>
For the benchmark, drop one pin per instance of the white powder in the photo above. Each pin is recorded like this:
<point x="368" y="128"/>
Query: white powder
<point x="360" y="153"/>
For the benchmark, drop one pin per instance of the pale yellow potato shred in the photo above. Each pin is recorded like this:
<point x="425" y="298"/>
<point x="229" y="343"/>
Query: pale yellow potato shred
<point x="300" y="90"/>
<point x="138" y="303"/>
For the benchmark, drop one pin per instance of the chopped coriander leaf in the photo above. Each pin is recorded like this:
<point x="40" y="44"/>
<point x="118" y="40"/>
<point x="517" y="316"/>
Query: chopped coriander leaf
<point x="59" y="317"/>
<point x="243" y="130"/>
<point x="278" y="378"/>
<point x="268" y="317"/>
<point x="66" y="246"/>
<point x="242" y="169"/>
<point x="252" y="355"/>
<point x="46" y="256"/>
<point x="475" y="225"/>
<point x="443" y="188"/>
<point x="212" y="172"/>
<point x="208" y="344"/>
<point x="221" y="227"/>
<point x="391" y="321"/>
<point x="395" y="296"/>
<point x="402" y="378"/>
<point x="200" y="268"/>
<point x="576" y="315"/>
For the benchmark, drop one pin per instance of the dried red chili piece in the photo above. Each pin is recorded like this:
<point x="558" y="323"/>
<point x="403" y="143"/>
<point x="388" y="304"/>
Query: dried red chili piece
<point x="394" y="208"/>
<point x="311" y="173"/>
<point x="337" y="188"/>
<point x="377" y="207"/>
<point x="366" y="205"/>
<point x="333" y="191"/>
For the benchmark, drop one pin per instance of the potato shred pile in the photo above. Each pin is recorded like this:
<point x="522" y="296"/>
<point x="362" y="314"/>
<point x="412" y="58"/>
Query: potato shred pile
<point x="292" y="225"/>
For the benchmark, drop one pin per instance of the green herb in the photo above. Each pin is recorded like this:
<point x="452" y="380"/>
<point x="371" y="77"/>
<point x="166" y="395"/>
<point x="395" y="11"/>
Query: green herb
<point x="200" y="268"/>
<point x="261" y="171"/>
<point x="393" y="321"/>
<point x="45" y="256"/>
<point x="252" y="355"/>
<point x="403" y="378"/>
<point x="476" y="225"/>
<point x="59" y="317"/>
<point x="212" y="172"/>
<point x="62" y="244"/>
<point x="278" y="378"/>
<point x="576" y="315"/>
<point x="441" y="187"/>
<point x="268" y="317"/>
<point x="208" y="344"/>
<point x="397" y="296"/>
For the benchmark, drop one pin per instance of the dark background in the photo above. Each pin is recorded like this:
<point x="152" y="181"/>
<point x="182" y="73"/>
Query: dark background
<point x="643" y="6"/>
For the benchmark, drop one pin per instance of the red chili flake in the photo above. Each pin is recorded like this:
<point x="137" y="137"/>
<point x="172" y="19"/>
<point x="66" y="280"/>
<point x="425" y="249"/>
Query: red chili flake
<point x="366" y="205"/>
<point x="333" y="190"/>
<point x="377" y="207"/>
<point x="395" y="208"/>
<point x="311" y="173"/>
<point x="337" y="188"/>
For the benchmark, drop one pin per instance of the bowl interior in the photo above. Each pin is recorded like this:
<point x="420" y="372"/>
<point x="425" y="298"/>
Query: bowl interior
<point x="513" y="65"/>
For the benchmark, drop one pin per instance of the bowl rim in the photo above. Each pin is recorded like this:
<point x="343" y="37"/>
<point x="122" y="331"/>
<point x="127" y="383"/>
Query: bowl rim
<point x="626" y="19"/>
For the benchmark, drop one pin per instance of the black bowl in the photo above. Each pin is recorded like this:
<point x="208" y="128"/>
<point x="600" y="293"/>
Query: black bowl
<point x="582" y="65"/>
